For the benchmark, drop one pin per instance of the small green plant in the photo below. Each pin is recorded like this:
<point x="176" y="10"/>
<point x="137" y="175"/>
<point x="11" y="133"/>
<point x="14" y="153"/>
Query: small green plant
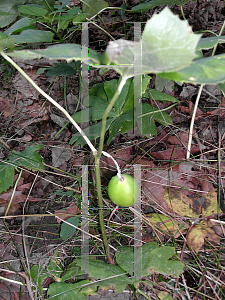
<point x="146" y="5"/>
<point x="29" y="159"/>
<point x="155" y="259"/>
<point x="58" y="20"/>
<point x="175" y="55"/>
<point x="126" y="111"/>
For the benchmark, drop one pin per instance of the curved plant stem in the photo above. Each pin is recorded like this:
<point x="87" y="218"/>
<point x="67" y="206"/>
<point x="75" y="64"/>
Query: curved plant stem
<point x="220" y="33"/>
<point x="97" y="154"/>
<point x="51" y="100"/>
<point x="101" y="217"/>
<point x="107" y="111"/>
<point x="106" y="32"/>
<point x="13" y="193"/>
<point x="192" y="122"/>
<point x="182" y="12"/>
<point x="97" y="165"/>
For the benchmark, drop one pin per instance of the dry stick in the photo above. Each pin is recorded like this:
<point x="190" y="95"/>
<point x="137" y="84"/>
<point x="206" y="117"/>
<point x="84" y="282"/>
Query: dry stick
<point x="192" y="122"/>
<point x="97" y="154"/>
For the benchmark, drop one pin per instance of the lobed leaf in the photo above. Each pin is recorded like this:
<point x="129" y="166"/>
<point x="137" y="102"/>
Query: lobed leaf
<point x="167" y="44"/>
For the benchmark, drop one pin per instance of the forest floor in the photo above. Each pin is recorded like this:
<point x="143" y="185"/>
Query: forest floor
<point x="27" y="119"/>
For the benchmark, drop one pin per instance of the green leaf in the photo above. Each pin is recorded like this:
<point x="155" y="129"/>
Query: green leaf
<point x="98" y="90"/>
<point x="118" y="124"/>
<point x="207" y="70"/>
<point x="71" y="271"/>
<point x="70" y="14"/>
<point x="79" y="18"/>
<point x="161" y="84"/>
<point x="67" y="231"/>
<point x="167" y="44"/>
<point x="6" y="41"/>
<point x="158" y="262"/>
<point x="6" y="176"/>
<point x="55" y="267"/>
<point x="8" y="11"/>
<point x="122" y="99"/>
<point x="210" y="42"/>
<point x="95" y="112"/>
<point x="63" y="193"/>
<point x="92" y="132"/>
<point x="159" y="96"/>
<point x="29" y="158"/>
<point x="38" y="275"/>
<point x="125" y="256"/>
<point x="146" y="124"/>
<point x="114" y="277"/>
<point x="22" y="23"/>
<point x="138" y="85"/>
<point x="67" y="52"/>
<point x="63" y="24"/>
<point x="48" y="4"/>
<point x="221" y="86"/>
<point x="66" y="291"/>
<point x="164" y="36"/>
<point x="32" y="10"/>
<point x="33" y="36"/>
<point x="62" y="69"/>
<point x="110" y="88"/>
<point x="93" y="7"/>
<point x="154" y="3"/>
<point x="163" y="118"/>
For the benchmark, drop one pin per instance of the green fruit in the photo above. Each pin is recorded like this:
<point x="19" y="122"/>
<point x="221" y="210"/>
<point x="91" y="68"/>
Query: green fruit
<point x="124" y="191"/>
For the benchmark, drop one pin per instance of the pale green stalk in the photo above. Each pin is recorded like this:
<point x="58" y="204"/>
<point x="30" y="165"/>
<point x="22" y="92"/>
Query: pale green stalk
<point x="13" y="193"/>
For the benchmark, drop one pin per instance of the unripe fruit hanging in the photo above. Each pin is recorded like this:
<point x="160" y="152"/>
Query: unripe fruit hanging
<point x="123" y="191"/>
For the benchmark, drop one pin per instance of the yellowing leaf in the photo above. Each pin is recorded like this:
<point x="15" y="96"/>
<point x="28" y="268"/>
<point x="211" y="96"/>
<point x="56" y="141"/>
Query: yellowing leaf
<point x="193" y="205"/>
<point x="167" y="224"/>
<point x="196" y="238"/>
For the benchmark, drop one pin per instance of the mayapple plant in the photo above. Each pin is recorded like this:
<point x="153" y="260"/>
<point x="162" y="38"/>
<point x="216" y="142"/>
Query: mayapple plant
<point x="168" y="48"/>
